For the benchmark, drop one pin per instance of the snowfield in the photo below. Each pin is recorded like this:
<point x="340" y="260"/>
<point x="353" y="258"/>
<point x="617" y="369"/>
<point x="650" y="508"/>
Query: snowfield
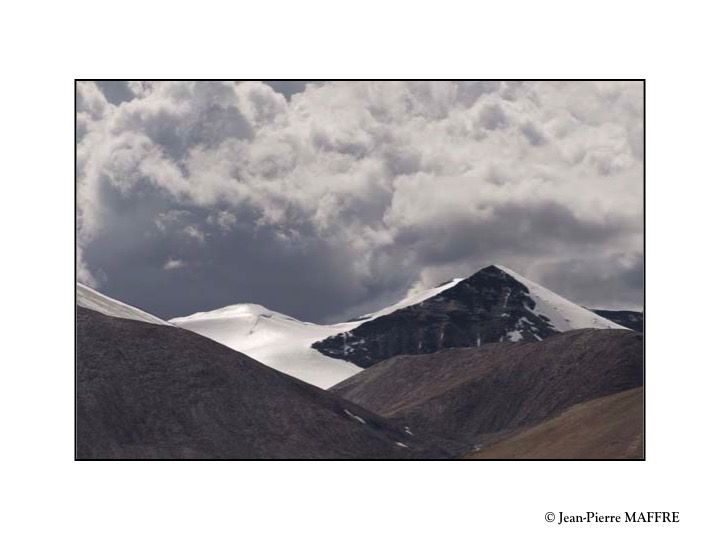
<point x="274" y="339"/>
<point x="564" y="315"/>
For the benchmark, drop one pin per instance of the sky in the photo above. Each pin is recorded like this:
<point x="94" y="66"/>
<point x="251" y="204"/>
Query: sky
<point x="327" y="200"/>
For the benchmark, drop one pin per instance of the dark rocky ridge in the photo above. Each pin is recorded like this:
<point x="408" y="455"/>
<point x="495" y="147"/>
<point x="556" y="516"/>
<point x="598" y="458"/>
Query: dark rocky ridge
<point x="150" y="391"/>
<point x="484" y="308"/>
<point x="634" y="320"/>
<point x="474" y="394"/>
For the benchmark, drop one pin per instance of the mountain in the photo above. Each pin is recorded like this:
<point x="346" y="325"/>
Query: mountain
<point x="493" y="305"/>
<point x="283" y="342"/>
<point x="148" y="390"/>
<point x="609" y="427"/>
<point x="91" y="299"/>
<point x="634" y="320"/>
<point x="478" y="394"/>
<point x="277" y="340"/>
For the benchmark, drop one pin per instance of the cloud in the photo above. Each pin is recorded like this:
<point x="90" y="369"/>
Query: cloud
<point x="225" y="221"/>
<point x="347" y="193"/>
<point x="532" y="134"/>
<point x="116" y="92"/>
<point x="83" y="273"/>
<point x="194" y="233"/>
<point x="289" y="88"/>
<point x="173" y="264"/>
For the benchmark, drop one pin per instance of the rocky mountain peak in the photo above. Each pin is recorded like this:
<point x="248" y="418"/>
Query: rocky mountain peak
<point x="493" y="305"/>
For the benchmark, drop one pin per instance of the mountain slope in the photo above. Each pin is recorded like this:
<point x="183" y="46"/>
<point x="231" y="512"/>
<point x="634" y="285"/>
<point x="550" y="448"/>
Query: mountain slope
<point x="91" y="299"/>
<point x="472" y="393"/>
<point x="634" y="320"/>
<point x="493" y="305"/>
<point x="285" y="343"/>
<point x="277" y="340"/>
<point x="610" y="427"/>
<point x="156" y="391"/>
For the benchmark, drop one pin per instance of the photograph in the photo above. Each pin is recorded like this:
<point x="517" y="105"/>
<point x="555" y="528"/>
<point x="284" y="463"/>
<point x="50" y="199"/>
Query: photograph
<point x="350" y="269"/>
<point x="310" y="270"/>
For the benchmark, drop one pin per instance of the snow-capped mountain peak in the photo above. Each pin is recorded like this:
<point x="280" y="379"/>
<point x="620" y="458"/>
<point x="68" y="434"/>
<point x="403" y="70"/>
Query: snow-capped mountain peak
<point x="236" y="310"/>
<point x="277" y="340"/>
<point x="493" y="305"/>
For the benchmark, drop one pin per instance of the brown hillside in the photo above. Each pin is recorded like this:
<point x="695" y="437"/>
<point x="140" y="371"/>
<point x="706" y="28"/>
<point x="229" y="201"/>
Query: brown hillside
<point x="610" y="427"/>
<point x="477" y="394"/>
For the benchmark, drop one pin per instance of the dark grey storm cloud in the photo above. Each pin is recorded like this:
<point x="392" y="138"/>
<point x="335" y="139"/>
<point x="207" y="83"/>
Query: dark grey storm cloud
<point x="193" y="196"/>
<point x="288" y="88"/>
<point x="116" y="92"/>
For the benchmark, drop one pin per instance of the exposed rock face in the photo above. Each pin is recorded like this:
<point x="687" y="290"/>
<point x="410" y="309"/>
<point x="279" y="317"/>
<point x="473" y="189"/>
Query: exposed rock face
<point x="634" y="320"/>
<point x="150" y="391"/>
<point x="472" y="394"/>
<point x="490" y="306"/>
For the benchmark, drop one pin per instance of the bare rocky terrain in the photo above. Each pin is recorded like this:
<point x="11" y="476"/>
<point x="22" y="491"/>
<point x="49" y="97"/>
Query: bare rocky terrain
<point x="477" y="395"/>
<point x="150" y="391"/>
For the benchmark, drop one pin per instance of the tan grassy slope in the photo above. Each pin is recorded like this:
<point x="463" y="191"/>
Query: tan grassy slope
<point x="610" y="427"/>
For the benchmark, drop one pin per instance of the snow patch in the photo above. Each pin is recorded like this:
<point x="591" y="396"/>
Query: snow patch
<point x="91" y="299"/>
<point x="355" y="417"/>
<point x="514" y="335"/>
